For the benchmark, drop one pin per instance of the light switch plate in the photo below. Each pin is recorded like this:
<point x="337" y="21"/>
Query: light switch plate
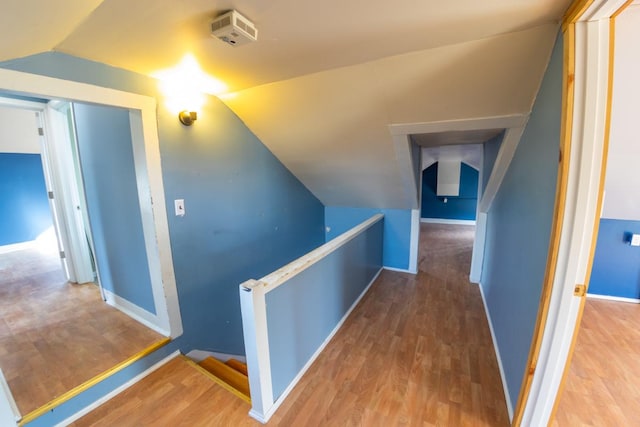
<point x="635" y="240"/>
<point x="179" y="204"/>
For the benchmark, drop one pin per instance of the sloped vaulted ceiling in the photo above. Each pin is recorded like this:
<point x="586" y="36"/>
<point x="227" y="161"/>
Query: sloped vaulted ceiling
<point x="331" y="128"/>
<point x="33" y="26"/>
<point x="324" y="79"/>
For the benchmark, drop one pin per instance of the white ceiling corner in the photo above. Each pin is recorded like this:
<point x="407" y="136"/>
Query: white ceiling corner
<point x="34" y="26"/>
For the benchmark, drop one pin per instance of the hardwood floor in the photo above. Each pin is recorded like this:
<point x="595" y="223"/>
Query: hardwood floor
<point x="54" y="335"/>
<point x="416" y="351"/>
<point x="177" y="394"/>
<point x="602" y="387"/>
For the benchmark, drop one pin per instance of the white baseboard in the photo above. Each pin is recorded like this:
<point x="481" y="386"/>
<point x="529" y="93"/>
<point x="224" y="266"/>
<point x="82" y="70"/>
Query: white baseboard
<point x="199" y="355"/>
<point x="399" y="270"/>
<point x="448" y="221"/>
<point x="612" y="298"/>
<point x="84" y="411"/>
<point x="312" y="359"/>
<point x="505" y="387"/>
<point x="139" y="314"/>
<point x="5" y="249"/>
<point x="256" y="416"/>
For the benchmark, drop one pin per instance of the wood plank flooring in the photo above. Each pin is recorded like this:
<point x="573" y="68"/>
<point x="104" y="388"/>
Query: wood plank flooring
<point x="177" y="394"/>
<point x="416" y="351"/>
<point x="54" y="335"/>
<point x="602" y="387"/>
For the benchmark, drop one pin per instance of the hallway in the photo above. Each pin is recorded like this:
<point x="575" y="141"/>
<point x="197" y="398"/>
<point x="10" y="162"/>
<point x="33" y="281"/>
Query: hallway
<point x="416" y="351"/>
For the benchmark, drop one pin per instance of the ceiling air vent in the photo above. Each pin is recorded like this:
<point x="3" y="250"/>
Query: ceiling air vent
<point x="234" y="29"/>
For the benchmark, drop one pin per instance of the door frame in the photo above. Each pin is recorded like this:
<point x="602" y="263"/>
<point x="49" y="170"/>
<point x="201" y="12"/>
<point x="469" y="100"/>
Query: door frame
<point x="588" y="29"/>
<point x="146" y="152"/>
<point x="58" y="154"/>
<point x="38" y="108"/>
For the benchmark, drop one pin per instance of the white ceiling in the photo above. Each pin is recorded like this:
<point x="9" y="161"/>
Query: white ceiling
<point x="331" y="128"/>
<point x="296" y="37"/>
<point x="325" y="79"/>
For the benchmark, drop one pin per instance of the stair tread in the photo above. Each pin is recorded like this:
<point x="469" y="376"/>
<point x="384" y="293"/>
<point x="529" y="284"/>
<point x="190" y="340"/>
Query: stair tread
<point x="238" y="366"/>
<point x="227" y="374"/>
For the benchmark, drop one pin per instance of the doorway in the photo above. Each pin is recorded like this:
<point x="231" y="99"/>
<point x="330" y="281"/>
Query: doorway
<point x="56" y="331"/>
<point x="600" y="385"/>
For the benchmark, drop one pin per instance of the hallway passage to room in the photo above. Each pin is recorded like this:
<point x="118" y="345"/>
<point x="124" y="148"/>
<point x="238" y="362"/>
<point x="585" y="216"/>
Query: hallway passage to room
<point x="417" y="350"/>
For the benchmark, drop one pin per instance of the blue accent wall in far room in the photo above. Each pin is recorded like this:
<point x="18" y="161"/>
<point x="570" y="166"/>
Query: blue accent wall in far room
<point x="519" y="229"/>
<point x="24" y="206"/>
<point x="396" y="235"/>
<point x="461" y="207"/>
<point x="616" y="264"/>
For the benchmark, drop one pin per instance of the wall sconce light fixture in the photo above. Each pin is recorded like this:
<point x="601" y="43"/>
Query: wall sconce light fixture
<point x="185" y="87"/>
<point x="187" y="117"/>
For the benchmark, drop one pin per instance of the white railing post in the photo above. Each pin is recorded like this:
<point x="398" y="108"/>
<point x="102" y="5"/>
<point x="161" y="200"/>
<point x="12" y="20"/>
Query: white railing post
<point x="254" y="326"/>
<point x="9" y="414"/>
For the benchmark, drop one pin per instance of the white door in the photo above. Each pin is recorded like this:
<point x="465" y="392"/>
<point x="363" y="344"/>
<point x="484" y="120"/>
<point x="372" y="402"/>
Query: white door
<point x="67" y="197"/>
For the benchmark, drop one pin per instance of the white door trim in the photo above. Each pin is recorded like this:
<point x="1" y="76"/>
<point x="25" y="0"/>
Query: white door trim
<point x="148" y="169"/>
<point x="581" y="206"/>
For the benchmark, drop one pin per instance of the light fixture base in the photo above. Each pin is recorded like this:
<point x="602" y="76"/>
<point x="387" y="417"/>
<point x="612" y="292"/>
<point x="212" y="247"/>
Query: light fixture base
<point x="187" y="117"/>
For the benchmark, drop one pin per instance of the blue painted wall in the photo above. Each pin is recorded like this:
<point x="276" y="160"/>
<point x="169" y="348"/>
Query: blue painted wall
<point x="461" y="207"/>
<point x="315" y="301"/>
<point x="24" y="206"/>
<point x="396" y="236"/>
<point x="616" y="264"/>
<point x="108" y="172"/>
<point x="490" y="151"/>
<point x="519" y="227"/>
<point x="246" y="214"/>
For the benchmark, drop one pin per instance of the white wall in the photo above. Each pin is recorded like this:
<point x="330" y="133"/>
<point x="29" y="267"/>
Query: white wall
<point x="622" y="184"/>
<point x="18" y="131"/>
<point x="470" y="154"/>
